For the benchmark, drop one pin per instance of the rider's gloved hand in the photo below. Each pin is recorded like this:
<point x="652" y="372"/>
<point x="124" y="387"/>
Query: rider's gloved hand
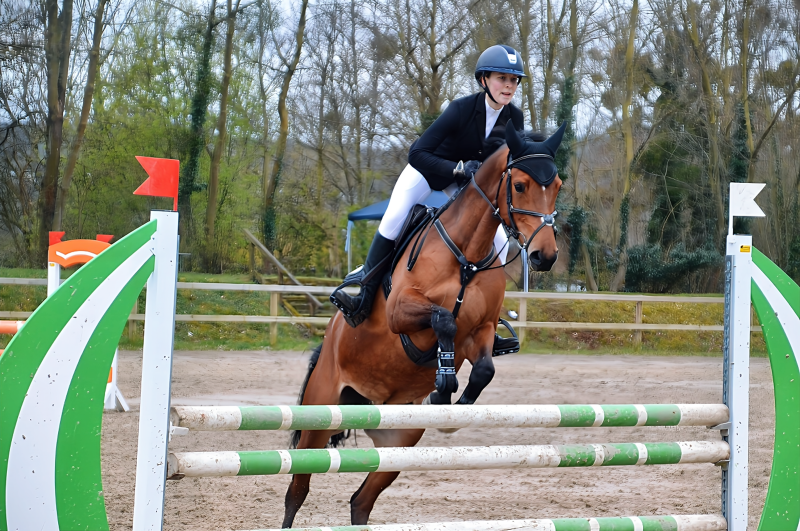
<point x="464" y="171"/>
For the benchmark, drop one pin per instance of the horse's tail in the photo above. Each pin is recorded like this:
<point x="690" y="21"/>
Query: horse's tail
<point x="339" y="438"/>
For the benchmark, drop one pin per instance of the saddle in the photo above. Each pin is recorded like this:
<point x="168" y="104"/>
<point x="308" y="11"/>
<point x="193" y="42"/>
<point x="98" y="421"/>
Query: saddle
<point x="417" y="220"/>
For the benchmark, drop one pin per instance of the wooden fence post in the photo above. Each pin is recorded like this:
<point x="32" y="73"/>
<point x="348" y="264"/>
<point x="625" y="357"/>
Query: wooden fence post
<point x="522" y="318"/>
<point x="131" y="322"/>
<point x="252" y="251"/>
<point x="274" y="302"/>
<point x="637" y="334"/>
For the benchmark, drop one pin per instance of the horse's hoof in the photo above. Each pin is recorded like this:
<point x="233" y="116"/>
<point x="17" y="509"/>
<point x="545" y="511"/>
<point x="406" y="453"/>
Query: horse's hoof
<point x="446" y="384"/>
<point x="436" y="399"/>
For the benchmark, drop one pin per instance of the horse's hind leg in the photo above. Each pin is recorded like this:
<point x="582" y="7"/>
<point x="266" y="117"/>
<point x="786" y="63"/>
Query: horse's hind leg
<point x="322" y="389"/>
<point x="363" y="500"/>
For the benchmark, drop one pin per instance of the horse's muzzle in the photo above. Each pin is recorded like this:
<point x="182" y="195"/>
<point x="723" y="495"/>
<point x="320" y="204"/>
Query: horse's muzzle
<point x="540" y="261"/>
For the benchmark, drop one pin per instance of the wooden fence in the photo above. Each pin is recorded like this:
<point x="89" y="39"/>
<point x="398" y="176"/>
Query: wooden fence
<point x="521" y="324"/>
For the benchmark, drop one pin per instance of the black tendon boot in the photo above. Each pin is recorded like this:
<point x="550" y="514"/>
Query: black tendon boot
<point x="368" y="277"/>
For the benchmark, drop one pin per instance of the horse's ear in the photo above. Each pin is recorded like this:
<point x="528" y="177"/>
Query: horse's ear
<point x="554" y="141"/>
<point x="515" y="143"/>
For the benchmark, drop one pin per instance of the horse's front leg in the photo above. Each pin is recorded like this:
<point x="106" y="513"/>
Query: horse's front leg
<point x="413" y="312"/>
<point x="482" y="364"/>
<point x="444" y="325"/>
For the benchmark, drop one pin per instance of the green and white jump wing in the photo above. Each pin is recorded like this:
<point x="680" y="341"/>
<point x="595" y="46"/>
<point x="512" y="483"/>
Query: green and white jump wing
<point x="52" y="382"/>
<point x="776" y="299"/>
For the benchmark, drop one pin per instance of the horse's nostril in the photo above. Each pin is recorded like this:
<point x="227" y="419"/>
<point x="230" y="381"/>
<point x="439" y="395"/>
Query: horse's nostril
<point x="536" y="256"/>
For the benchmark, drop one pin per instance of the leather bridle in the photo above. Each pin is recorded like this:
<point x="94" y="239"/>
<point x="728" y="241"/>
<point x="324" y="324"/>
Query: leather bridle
<point x="467" y="268"/>
<point x="548" y="220"/>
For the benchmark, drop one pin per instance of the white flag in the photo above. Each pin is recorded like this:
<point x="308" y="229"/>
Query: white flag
<point x="743" y="202"/>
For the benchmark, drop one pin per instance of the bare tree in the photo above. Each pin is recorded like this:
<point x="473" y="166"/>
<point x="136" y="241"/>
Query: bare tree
<point x="524" y="13"/>
<point x="554" y="27"/>
<point x="57" y="47"/>
<point x="429" y="36"/>
<point x="86" y="107"/>
<point x="627" y="138"/>
<point x="211" y="258"/>
<point x="289" y="67"/>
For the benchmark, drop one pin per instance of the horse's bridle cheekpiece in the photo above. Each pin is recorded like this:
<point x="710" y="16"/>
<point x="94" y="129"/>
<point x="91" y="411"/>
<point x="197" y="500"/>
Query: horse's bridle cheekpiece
<point x="548" y="220"/>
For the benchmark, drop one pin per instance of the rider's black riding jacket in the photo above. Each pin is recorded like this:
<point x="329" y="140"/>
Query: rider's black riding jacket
<point x="457" y="134"/>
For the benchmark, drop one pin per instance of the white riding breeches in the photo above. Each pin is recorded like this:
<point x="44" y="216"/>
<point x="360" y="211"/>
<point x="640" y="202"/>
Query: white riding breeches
<point x="412" y="189"/>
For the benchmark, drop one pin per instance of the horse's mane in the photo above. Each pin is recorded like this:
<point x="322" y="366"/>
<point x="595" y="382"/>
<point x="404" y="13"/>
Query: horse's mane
<point x="497" y="139"/>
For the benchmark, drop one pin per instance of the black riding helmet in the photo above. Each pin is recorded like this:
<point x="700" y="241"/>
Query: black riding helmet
<point x="498" y="58"/>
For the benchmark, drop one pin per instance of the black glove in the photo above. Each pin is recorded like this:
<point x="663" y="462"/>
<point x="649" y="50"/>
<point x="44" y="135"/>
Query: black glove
<point x="465" y="171"/>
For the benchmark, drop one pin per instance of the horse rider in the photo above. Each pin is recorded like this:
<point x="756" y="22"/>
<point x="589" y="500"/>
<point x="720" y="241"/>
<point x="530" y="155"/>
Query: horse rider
<point x="446" y="156"/>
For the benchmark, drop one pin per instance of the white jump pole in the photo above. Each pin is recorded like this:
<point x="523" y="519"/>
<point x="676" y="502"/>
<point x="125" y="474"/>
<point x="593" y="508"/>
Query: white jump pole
<point x="736" y="355"/>
<point x="159" y="337"/>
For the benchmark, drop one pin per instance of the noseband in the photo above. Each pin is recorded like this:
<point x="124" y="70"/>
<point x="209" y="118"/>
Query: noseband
<point x="548" y="220"/>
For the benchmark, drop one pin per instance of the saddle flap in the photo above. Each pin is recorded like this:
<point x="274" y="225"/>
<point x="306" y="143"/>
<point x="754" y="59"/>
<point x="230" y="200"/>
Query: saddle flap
<point x="416" y="219"/>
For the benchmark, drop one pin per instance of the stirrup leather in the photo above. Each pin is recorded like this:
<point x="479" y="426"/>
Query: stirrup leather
<point x="505" y="345"/>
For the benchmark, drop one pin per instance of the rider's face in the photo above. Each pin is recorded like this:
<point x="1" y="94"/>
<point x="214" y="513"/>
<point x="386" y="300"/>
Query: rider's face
<point x="502" y="86"/>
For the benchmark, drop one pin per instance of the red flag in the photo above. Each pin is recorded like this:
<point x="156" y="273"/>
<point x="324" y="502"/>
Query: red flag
<point x="163" y="180"/>
<point x="55" y="237"/>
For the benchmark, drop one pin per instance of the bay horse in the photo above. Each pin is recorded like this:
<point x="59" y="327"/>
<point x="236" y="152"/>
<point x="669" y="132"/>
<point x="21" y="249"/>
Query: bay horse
<point x="368" y="364"/>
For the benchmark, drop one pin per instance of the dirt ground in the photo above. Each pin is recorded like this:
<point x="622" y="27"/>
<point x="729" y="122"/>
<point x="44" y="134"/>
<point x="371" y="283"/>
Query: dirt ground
<point x="274" y="378"/>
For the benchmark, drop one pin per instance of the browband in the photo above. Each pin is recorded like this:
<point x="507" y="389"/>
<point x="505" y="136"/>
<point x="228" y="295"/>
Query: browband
<point x="531" y="156"/>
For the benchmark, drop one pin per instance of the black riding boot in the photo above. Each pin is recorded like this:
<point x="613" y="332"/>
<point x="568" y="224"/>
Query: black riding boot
<point x="368" y="277"/>
<point x="505" y="345"/>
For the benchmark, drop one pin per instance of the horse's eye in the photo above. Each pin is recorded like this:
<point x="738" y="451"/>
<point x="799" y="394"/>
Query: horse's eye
<point x="519" y="187"/>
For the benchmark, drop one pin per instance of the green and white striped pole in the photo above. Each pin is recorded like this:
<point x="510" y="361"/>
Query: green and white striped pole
<point x="629" y="523"/>
<point x="225" y="418"/>
<point x="269" y="462"/>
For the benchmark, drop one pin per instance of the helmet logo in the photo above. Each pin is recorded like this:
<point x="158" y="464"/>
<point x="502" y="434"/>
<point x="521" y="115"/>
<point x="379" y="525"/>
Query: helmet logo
<point x="512" y="58"/>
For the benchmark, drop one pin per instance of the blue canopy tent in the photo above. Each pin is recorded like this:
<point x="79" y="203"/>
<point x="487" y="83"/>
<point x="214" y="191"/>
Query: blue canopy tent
<point x="376" y="211"/>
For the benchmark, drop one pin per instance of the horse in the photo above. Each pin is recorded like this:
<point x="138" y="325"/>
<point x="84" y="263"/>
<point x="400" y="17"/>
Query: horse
<point x="369" y="365"/>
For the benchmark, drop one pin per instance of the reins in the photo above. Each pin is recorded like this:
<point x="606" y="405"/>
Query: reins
<point x="469" y="269"/>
